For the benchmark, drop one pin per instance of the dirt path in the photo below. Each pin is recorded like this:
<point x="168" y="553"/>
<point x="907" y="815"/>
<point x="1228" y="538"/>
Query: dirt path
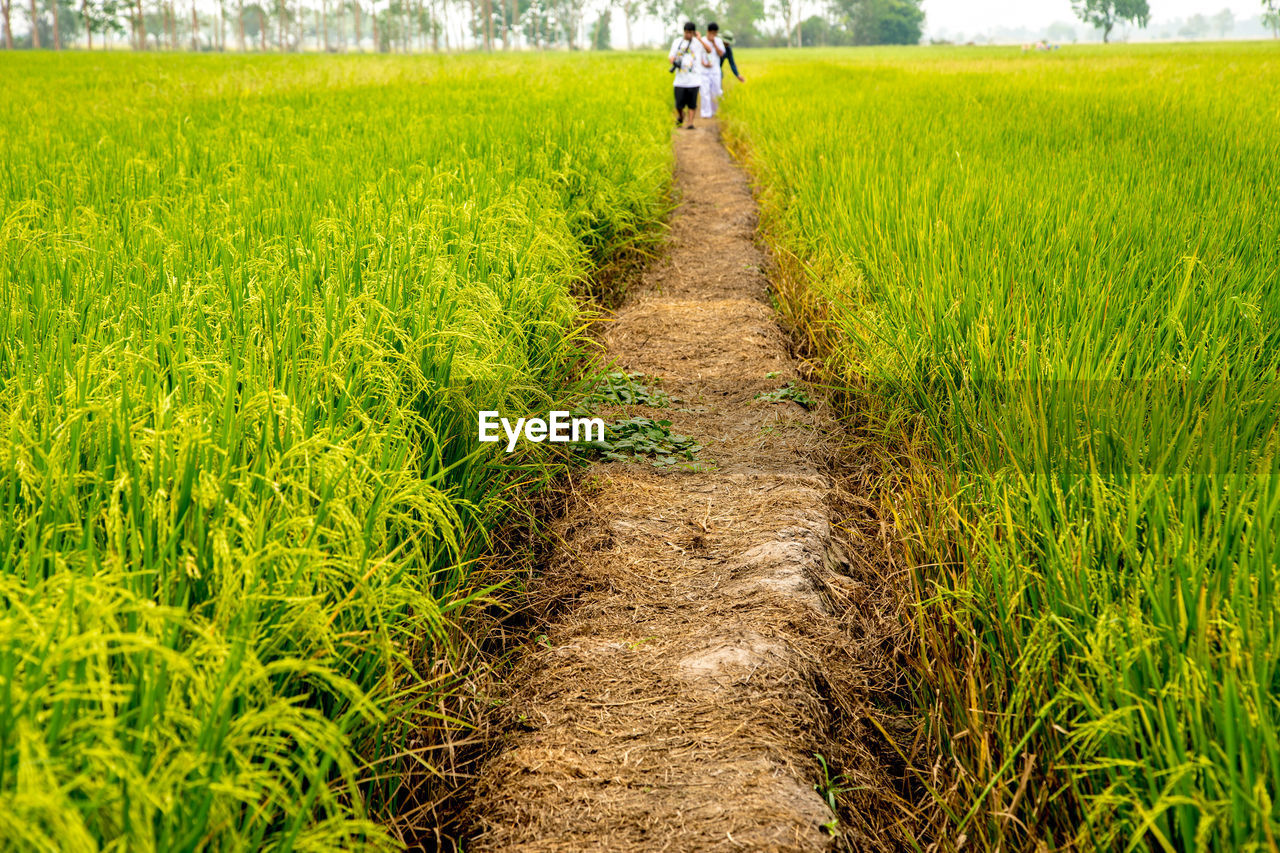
<point x="698" y="652"/>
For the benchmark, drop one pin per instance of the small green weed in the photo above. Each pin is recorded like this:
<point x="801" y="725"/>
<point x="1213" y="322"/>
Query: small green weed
<point x="830" y="788"/>
<point x="628" y="389"/>
<point x="788" y="392"/>
<point x="637" y="438"/>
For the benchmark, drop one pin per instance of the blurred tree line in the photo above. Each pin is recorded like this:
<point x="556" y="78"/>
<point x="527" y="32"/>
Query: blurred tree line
<point x="777" y="23"/>
<point x="433" y="25"/>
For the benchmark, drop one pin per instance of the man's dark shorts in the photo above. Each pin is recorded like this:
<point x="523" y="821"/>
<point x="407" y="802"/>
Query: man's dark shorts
<point x="686" y="97"/>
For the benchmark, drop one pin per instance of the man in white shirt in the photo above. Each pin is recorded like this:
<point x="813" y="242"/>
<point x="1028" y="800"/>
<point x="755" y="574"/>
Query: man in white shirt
<point x="711" y="86"/>
<point x="690" y="60"/>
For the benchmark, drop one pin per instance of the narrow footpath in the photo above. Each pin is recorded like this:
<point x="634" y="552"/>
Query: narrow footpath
<point x="698" y="653"/>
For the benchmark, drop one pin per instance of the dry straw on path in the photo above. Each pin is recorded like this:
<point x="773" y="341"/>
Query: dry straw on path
<point x="706" y="636"/>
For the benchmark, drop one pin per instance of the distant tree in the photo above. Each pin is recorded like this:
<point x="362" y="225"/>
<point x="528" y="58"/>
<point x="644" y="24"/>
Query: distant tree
<point x="881" y="21"/>
<point x="153" y="25"/>
<point x="56" y="33"/>
<point x="740" y="17"/>
<point x="62" y="25"/>
<point x="789" y="11"/>
<point x="843" y="16"/>
<point x="817" y="31"/>
<point x="1105" y="14"/>
<point x="743" y="19"/>
<point x="533" y="22"/>
<point x="389" y="27"/>
<point x="429" y="23"/>
<point x="254" y="18"/>
<point x="601" y="37"/>
<point x="568" y="14"/>
<point x="35" y="27"/>
<point x="630" y="9"/>
<point x="137" y="24"/>
<point x="866" y="22"/>
<point x="415" y="22"/>
<point x="6" y="12"/>
<point x="281" y="10"/>
<point x="102" y="16"/>
<point x="1270" y="16"/>
<point x="170" y="25"/>
<point x="1225" y="22"/>
<point x="1061" y="31"/>
<point x="1196" y="27"/>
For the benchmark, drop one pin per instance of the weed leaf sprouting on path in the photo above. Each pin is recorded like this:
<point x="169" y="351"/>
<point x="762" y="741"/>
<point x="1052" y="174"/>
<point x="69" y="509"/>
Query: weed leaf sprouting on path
<point x="644" y="438"/>
<point x="628" y="389"/>
<point x="791" y="392"/>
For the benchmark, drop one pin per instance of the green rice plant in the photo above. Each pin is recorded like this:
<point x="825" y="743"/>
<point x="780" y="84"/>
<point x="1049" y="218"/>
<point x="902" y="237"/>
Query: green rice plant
<point x="249" y="308"/>
<point x="1056" y="279"/>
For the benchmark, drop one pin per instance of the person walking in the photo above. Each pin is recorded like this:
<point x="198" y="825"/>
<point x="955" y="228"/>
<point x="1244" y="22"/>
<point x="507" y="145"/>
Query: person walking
<point x="727" y="38"/>
<point x="711" y="83"/>
<point x="690" y="58"/>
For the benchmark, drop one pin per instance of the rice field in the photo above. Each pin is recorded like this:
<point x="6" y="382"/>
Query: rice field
<point x="249" y="308"/>
<point x="1048" y="287"/>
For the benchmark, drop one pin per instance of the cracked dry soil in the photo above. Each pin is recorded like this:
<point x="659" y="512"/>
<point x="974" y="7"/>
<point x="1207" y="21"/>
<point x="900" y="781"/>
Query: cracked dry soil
<point x="707" y="633"/>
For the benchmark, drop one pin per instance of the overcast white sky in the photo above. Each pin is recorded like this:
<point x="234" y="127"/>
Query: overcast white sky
<point x="973" y="16"/>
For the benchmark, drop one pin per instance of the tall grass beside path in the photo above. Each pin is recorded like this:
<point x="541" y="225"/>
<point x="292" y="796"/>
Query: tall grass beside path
<point x="1055" y="280"/>
<point x="249" y="308"/>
